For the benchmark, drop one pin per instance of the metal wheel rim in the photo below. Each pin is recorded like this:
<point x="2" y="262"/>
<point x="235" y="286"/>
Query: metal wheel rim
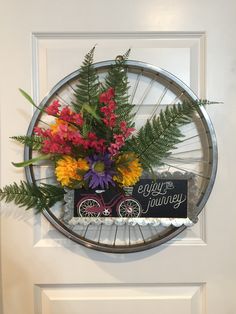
<point x="155" y="241"/>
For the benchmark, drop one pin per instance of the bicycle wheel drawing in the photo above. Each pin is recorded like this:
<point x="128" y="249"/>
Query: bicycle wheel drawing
<point x="129" y="207"/>
<point x="85" y="205"/>
<point x="151" y="89"/>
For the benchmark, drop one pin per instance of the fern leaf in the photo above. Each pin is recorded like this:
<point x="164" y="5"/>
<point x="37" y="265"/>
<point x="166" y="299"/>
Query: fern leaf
<point x="32" y="196"/>
<point x="158" y="137"/>
<point x="117" y="79"/>
<point x="35" y="142"/>
<point x="87" y="89"/>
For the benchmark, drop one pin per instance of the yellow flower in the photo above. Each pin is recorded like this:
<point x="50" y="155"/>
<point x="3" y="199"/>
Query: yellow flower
<point x="69" y="169"/>
<point x="129" y="169"/>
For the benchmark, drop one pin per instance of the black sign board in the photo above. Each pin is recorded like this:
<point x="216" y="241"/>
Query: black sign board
<point x="162" y="198"/>
<point x="148" y="198"/>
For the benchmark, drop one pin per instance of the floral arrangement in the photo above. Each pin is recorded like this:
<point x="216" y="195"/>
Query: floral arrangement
<point x="93" y="143"/>
<point x="84" y="158"/>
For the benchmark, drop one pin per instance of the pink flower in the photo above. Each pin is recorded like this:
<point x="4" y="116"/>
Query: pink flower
<point x="52" y="109"/>
<point x="119" y="142"/>
<point x="77" y="119"/>
<point x="112" y="105"/>
<point x="38" y="131"/>
<point x="110" y="92"/>
<point x="129" y="131"/>
<point x="126" y="131"/>
<point x="113" y="149"/>
<point x="98" y="145"/>
<point x="103" y="99"/>
<point x="63" y="128"/>
<point x="66" y="114"/>
<point x="67" y="150"/>
<point x="51" y="147"/>
<point x="108" y="110"/>
<point x="41" y="132"/>
<point x="75" y="138"/>
<point x="112" y="120"/>
<point x="55" y="148"/>
<point x="105" y="110"/>
<point x="92" y="136"/>
<point x="107" y="96"/>
<point x="119" y="139"/>
<point x="123" y="126"/>
<point x="55" y="145"/>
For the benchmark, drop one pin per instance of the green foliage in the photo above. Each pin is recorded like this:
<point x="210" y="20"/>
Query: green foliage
<point x="34" y="141"/>
<point x="158" y="136"/>
<point x="31" y="161"/>
<point x="32" y="196"/>
<point x="28" y="97"/>
<point x="87" y="89"/>
<point x="117" y="78"/>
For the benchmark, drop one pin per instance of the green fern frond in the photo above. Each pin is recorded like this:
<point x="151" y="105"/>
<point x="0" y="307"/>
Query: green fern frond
<point x="117" y="79"/>
<point x="87" y="89"/>
<point x="32" y="196"/>
<point x="35" y="142"/>
<point x="159" y="136"/>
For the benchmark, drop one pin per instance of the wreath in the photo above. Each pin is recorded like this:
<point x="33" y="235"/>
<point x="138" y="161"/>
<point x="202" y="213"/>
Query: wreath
<point x="93" y="143"/>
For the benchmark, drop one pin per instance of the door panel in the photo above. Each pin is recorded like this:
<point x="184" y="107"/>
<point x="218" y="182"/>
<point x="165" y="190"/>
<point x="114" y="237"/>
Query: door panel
<point x="42" y="271"/>
<point x="108" y="299"/>
<point x="57" y="55"/>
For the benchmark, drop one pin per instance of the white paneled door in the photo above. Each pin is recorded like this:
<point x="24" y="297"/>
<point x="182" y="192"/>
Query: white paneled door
<point x="43" y="272"/>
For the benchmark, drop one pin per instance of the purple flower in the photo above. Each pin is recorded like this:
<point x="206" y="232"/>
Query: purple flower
<point x="101" y="172"/>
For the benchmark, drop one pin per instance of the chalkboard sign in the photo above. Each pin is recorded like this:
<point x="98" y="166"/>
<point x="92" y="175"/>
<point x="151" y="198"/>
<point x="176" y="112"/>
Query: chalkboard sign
<point x="148" y="198"/>
<point x="162" y="198"/>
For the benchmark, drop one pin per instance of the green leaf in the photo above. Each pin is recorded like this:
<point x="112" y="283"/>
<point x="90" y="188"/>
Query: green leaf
<point x="159" y="136"/>
<point x="29" y="98"/>
<point x="32" y="196"/>
<point x="91" y="110"/>
<point x="31" y="161"/>
<point x="34" y="141"/>
<point x="88" y="87"/>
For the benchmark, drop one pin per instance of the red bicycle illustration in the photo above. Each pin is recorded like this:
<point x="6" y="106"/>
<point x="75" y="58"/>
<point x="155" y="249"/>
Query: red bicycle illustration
<point x="94" y="205"/>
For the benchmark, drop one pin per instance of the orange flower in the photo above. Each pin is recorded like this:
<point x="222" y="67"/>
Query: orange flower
<point x="61" y="125"/>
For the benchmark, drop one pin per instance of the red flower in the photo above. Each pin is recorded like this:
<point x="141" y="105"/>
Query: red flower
<point x="77" y="119"/>
<point x="98" y="145"/>
<point x="119" y="139"/>
<point x="66" y="114"/>
<point x="105" y="110"/>
<point x="108" y="110"/>
<point x="41" y="132"/>
<point x="92" y="136"/>
<point x="67" y="150"/>
<point x="112" y="105"/>
<point x="123" y="126"/>
<point x="110" y="121"/>
<point x="113" y="149"/>
<point x="119" y="142"/>
<point x="51" y="147"/>
<point x="111" y="92"/>
<point x="107" y="96"/>
<point x="38" y="131"/>
<point x="52" y="109"/>
<point x="126" y="131"/>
